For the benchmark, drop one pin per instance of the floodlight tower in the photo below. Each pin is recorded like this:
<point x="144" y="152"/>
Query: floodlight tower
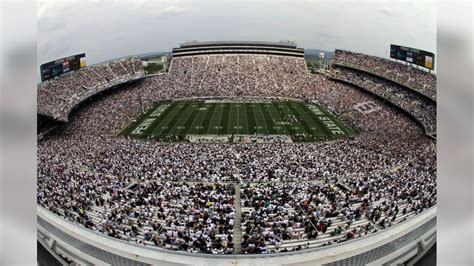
<point x="164" y="60"/>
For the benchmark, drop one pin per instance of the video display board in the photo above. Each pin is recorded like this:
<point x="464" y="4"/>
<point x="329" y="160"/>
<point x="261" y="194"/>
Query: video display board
<point x="412" y="55"/>
<point x="60" y="66"/>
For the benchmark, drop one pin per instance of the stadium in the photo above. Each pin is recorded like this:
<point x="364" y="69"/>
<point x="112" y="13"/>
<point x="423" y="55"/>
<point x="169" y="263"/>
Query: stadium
<point x="238" y="154"/>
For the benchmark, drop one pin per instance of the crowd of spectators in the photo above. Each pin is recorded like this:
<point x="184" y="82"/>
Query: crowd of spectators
<point x="56" y="97"/>
<point x="240" y="74"/>
<point x="282" y="213"/>
<point x="415" y="78"/>
<point x="175" y="195"/>
<point x="422" y="109"/>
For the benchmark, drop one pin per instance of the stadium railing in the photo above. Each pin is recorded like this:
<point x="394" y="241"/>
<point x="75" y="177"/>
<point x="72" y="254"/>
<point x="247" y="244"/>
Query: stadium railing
<point x="397" y="244"/>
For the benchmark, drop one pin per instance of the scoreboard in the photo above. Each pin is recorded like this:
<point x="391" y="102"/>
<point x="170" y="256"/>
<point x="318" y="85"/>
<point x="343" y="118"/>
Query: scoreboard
<point x="60" y="66"/>
<point x="412" y="55"/>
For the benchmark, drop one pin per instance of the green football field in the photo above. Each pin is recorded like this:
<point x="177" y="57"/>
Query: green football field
<point x="174" y="120"/>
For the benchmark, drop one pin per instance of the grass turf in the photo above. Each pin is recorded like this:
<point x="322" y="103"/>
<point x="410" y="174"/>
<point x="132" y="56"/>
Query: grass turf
<point x="173" y="120"/>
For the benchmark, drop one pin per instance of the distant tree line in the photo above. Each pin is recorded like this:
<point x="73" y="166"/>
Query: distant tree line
<point x="152" y="68"/>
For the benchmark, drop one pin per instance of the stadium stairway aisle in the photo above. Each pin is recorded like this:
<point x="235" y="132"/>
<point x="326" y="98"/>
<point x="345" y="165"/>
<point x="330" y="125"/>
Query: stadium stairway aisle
<point x="237" y="238"/>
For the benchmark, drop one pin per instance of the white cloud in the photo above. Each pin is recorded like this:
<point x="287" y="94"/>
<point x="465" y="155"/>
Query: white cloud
<point x="167" y="11"/>
<point x="386" y="10"/>
<point x="44" y="7"/>
<point x="57" y="8"/>
<point x="138" y="3"/>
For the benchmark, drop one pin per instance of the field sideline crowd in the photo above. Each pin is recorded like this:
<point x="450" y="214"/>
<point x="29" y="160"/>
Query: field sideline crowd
<point x="181" y="196"/>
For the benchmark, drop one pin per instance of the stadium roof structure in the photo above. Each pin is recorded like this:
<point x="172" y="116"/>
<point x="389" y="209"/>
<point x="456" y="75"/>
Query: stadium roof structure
<point x="238" y="47"/>
<point x="286" y="44"/>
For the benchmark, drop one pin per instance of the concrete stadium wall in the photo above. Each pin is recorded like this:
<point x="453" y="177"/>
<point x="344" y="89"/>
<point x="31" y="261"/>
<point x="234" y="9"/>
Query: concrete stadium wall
<point x="392" y="246"/>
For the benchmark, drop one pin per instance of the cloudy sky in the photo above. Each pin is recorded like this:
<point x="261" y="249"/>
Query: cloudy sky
<point x="111" y="29"/>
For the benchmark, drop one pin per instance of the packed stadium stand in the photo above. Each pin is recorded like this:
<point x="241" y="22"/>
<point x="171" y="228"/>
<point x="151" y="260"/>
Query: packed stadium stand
<point x="416" y="79"/>
<point x="56" y="98"/>
<point x="119" y="197"/>
<point x="394" y="84"/>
